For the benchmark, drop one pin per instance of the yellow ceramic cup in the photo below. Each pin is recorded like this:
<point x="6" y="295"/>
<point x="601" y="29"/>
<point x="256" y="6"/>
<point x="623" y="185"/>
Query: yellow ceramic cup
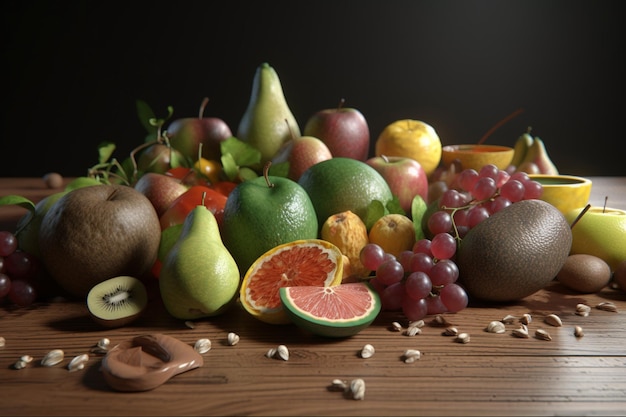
<point x="477" y="156"/>
<point x="565" y="192"/>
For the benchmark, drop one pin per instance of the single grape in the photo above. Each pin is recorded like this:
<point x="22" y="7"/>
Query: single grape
<point x="22" y="265"/>
<point x="391" y="297"/>
<point x="498" y="204"/>
<point x="422" y="246"/>
<point x="476" y="215"/>
<point x="377" y="285"/>
<point x="489" y="171"/>
<point x="501" y="178"/>
<point x="454" y="297"/>
<point x="443" y="246"/>
<point x="484" y="188"/>
<point x="414" y="309"/>
<point x="371" y="256"/>
<point x="467" y="179"/>
<point x="435" y="306"/>
<point x="452" y="199"/>
<point x="405" y="259"/>
<point x="520" y="176"/>
<point x="22" y="293"/>
<point x="440" y="222"/>
<point x="390" y="272"/>
<point x="532" y="190"/>
<point x="421" y="262"/>
<point x="5" y="285"/>
<point x="444" y="272"/>
<point x="512" y="190"/>
<point x="460" y="218"/>
<point x="8" y="243"/>
<point x="418" y="285"/>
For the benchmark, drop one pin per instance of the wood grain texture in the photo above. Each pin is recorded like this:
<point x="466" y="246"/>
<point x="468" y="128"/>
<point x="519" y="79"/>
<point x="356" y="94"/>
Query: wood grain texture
<point x="493" y="374"/>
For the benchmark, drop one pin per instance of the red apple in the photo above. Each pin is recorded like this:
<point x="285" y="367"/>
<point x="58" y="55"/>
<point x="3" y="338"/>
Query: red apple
<point x="301" y="153"/>
<point x="343" y="129"/>
<point x="160" y="189"/>
<point x="405" y="176"/>
<point x="186" y="134"/>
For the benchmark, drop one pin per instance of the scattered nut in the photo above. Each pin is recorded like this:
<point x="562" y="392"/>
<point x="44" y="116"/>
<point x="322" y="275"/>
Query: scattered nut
<point x="412" y="331"/>
<point x="367" y="351"/>
<point x="607" y="306"/>
<point x="496" y="327"/>
<point x="339" y="385"/>
<point x="583" y="310"/>
<point x="190" y="324"/>
<point x="508" y="319"/>
<point x="526" y="319"/>
<point x="232" y="338"/>
<point x="357" y="386"/>
<point x="521" y="332"/>
<point x="3" y="341"/>
<point x="396" y="327"/>
<point x="450" y="331"/>
<point x="282" y="352"/>
<point x="417" y="323"/>
<point x="578" y="331"/>
<point x="411" y="355"/>
<point x="78" y="362"/>
<point x="202" y="345"/>
<point x="462" y="338"/>
<point x="270" y="353"/>
<point x="542" y="334"/>
<point x="553" y="320"/>
<point x="26" y="358"/>
<point x="441" y="320"/>
<point x="53" y="357"/>
<point x="19" y="364"/>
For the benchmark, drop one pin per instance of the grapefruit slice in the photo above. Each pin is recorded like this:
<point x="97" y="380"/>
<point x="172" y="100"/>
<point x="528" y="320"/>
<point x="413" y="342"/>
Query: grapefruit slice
<point x="305" y="262"/>
<point x="335" y="311"/>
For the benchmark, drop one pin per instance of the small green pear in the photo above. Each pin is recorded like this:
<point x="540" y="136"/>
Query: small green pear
<point x="199" y="277"/>
<point x="263" y="125"/>
<point x="538" y="155"/>
<point x="522" y="144"/>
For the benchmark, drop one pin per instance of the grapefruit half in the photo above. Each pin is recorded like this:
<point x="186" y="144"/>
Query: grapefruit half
<point x="305" y="262"/>
<point x="335" y="311"/>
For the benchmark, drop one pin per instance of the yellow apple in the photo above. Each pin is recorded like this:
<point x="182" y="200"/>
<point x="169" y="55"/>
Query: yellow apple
<point x="600" y="232"/>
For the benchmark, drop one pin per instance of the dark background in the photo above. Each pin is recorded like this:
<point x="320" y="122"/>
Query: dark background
<point x="73" y="71"/>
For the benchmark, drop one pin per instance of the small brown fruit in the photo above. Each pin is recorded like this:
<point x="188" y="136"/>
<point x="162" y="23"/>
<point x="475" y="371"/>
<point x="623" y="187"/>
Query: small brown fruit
<point x="584" y="273"/>
<point x="619" y="275"/>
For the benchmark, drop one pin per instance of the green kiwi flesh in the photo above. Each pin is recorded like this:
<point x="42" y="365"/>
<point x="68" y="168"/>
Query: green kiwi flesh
<point x="117" y="301"/>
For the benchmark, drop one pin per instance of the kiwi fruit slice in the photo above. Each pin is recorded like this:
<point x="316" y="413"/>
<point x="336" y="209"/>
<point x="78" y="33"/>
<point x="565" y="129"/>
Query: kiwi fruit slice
<point x="117" y="301"/>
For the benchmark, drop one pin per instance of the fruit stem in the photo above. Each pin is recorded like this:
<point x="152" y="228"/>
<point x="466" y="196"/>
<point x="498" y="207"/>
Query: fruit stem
<point x="266" y="171"/>
<point x="203" y="105"/>
<point x="499" y="124"/>
<point x="587" y="207"/>
<point x="341" y="103"/>
<point x="606" y="197"/>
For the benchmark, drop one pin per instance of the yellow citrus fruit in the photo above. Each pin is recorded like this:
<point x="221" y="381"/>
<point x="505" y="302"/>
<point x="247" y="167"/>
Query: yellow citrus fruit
<point x="411" y="139"/>
<point x="347" y="231"/>
<point x="309" y="262"/>
<point x="394" y="233"/>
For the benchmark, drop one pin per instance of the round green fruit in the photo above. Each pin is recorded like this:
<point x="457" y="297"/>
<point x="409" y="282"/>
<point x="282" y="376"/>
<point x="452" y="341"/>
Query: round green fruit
<point x="265" y="212"/>
<point x="336" y="311"/>
<point x="341" y="184"/>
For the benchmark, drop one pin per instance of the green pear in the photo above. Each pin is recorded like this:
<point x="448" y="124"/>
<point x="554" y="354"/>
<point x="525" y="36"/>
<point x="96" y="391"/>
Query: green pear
<point x="267" y="122"/>
<point x="199" y="277"/>
<point x="520" y="149"/>
<point x="538" y="155"/>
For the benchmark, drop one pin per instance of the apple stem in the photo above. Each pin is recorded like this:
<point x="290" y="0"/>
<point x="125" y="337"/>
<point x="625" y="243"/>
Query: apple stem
<point x="203" y="197"/>
<point x="587" y="207"/>
<point x="500" y="123"/>
<point x="342" y="101"/>
<point x="385" y="158"/>
<point x="203" y="105"/>
<point x="606" y="197"/>
<point x="266" y="174"/>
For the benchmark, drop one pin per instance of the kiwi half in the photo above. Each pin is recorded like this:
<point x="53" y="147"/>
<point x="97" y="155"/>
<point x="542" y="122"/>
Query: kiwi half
<point x="117" y="301"/>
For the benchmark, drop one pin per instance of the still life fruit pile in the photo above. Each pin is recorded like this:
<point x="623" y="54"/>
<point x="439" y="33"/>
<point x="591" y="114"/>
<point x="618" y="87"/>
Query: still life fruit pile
<point x="296" y="225"/>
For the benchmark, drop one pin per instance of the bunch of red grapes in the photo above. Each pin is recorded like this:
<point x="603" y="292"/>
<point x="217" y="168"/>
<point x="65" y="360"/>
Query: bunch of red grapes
<point x="19" y="273"/>
<point x="422" y="281"/>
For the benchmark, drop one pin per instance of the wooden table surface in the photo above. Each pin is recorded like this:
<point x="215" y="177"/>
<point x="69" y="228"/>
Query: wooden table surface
<point x="493" y="374"/>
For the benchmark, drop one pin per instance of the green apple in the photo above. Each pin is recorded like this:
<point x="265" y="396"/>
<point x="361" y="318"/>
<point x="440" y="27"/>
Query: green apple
<point x="600" y="232"/>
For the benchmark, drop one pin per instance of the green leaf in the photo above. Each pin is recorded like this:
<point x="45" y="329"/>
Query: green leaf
<point x="393" y="207"/>
<point x="17" y="200"/>
<point x="105" y="151"/>
<point x="246" y="173"/>
<point x="145" y="113"/>
<point x="418" y="209"/>
<point x="242" y="153"/>
<point x="229" y="166"/>
<point x="375" y="210"/>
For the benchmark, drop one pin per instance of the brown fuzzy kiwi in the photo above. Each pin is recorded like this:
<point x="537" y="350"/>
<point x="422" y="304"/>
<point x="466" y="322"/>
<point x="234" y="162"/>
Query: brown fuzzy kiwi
<point x="584" y="273"/>
<point x="117" y="301"/>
